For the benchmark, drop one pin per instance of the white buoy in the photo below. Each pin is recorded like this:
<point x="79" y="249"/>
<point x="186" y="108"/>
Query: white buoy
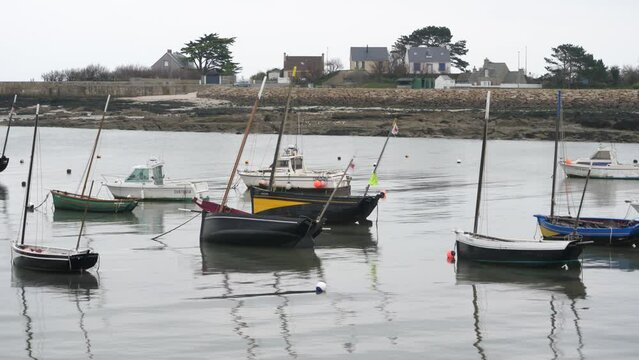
<point x="374" y="164"/>
<point x="459" y="161"/>
<point x="320" y="287"/>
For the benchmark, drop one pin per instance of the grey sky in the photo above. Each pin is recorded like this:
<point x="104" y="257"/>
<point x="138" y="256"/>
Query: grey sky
<point x="39" y="35"/>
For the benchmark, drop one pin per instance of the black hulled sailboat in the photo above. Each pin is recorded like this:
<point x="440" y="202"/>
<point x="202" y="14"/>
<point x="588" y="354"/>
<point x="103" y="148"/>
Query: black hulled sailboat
<point x="43" y="258"/>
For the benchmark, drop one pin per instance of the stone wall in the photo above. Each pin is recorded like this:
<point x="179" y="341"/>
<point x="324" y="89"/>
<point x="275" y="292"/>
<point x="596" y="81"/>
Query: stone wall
<point x="79" y="89"/>
<point x="502" y="99"/>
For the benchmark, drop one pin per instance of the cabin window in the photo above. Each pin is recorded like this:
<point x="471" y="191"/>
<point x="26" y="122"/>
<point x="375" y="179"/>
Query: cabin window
<point x="139" y="175"/>
<point x="601" y="155"/>
<point x="297" y="163"/>
<point x="282" y="164"/>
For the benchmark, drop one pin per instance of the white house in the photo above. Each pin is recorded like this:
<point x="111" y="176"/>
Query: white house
<point x="427" y="60"/>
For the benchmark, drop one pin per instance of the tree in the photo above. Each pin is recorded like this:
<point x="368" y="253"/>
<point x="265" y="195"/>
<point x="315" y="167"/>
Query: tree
<point x="615" y="75"/>
<point x="259" y="76"/>
<point x="432" y="36"/>
<point x="334" y="64"/>
<point x="211" y="52"/>
<point x="566" y="63"/>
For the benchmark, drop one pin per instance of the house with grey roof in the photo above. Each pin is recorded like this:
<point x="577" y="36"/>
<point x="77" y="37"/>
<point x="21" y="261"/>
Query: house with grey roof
<point x="172" y="63"/>
<point x="370" y="59"/>
<point x="427" y="60"/>
<point x="495" y="74"/>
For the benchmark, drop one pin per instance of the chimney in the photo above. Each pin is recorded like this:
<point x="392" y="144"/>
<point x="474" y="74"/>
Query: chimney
<point x="169" y="51"/>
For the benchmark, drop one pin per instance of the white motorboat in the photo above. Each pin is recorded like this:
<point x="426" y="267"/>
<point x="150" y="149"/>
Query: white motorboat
<point x="603" y="165"/>
<point x="291" y="174"/>
<point x="147" y="182"/>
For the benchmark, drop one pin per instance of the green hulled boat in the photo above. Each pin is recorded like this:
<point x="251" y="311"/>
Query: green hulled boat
<point x="67" y="201"/>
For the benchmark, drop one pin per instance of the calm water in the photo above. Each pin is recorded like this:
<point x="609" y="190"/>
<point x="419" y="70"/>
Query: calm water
<point x="391" y="293"/>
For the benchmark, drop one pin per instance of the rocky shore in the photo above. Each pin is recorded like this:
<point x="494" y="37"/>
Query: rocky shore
<point x="590" y="115"/>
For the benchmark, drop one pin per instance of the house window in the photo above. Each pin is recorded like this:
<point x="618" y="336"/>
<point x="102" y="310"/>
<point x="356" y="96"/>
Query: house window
<point x="166" y="63"/>
<point x="417" y="67"/>
<point x="442" y="67"/>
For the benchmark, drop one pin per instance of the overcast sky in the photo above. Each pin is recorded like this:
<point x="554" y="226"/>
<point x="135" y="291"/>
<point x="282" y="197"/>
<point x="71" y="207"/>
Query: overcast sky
<point x="39" y="36"/>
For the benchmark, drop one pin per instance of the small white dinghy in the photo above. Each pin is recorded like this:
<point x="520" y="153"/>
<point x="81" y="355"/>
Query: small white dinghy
<point x="147" y="182"/>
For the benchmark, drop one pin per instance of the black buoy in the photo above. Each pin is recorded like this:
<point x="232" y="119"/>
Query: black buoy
<point x="21" y="161"/>
<point x="99" y="156"/>
<point x="24" y="183"/>
<point x="339" y="158"/>
<point x="68" y="171"/>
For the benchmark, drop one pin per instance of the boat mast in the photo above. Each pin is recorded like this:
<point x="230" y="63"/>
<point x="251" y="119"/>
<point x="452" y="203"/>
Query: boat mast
<point x="95" y="145"/>
<point x="271" y="180"/>
<point x="380" y="157"/>
<point x="330" y="198"/>
<point x="6" y="137"/>
<point x="26" y="196"/>
<point x="559" y="119"/>
<point x="581" y="202"/>
<point x="239" y="153"/>
<point x="481" y="163"/>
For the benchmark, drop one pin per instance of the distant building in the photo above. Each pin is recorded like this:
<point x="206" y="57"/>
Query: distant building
<point x="495" y="74"/>
<point x="427" y="60"/>
<point x="309" y="68"/>
<point x="273" y="74"/>
<point x="370" y="59"/>
<point x="444" y="82"/>
<point x="172" y="64"/>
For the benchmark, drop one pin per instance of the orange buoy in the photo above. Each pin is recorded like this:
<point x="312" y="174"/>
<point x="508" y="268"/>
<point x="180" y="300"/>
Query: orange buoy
<point x="317" y="184"/>
<point x="568" y="162"/>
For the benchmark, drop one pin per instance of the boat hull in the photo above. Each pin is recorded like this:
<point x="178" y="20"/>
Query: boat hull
<point x="151" y="192"/>
<point x="601" y="231"/>
<point x="342" y="209"/>
<point x="622" y="172"/>
<point x="481" y="248"/>
<point x="67" y="201"/>
<point x="307" y="183"/>
<point x="4" y="162"/>
<point x="258" y="230"/>
<point x="51" y="259"/>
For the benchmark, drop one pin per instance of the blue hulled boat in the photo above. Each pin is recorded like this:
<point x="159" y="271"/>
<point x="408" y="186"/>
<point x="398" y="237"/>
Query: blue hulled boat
<point x="601" y="231"/>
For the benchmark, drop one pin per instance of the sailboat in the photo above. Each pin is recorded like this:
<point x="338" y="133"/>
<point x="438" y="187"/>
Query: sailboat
<point x="483" y="248"/>
<point x="344" y="209"/>
<point x="63" y="200"/>
<point x="601" y="231"/>
<point x="4" y="161"/>
<point x="44" y="258"/>
<point x="223" y="225"/>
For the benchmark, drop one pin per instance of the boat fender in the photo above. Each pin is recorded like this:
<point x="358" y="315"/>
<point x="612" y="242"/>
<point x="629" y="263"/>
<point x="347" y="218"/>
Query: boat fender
<point x="564" y="266"/>
<point x="568" y="161"/>
<point x="450" y="256"/>
<point x="288" y="186"/>
<point x="318" y="184"/>
<point x="320" y="287"/>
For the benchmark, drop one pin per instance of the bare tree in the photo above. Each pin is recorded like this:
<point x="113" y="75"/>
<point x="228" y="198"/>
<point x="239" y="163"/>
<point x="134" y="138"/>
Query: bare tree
<point x="334" y="64"/>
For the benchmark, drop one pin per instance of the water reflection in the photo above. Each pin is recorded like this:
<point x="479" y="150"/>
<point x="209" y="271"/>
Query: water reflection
<point x="153" y="215"/>
<point x="80" y="286"/>
<point x="4" y="192"/>
<point x="218" y="259"/>
<point x="567" y="282"/>
<point x="231" y="261"/>
<point x="562" y="282"/>
<point x="66" y="216"/>
<point x="626" y="259"/>
<point x="602" y="192"/>
<point x="347" y="236"/>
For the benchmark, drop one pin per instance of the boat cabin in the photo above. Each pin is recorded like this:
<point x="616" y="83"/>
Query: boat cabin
<point x="290" y="161"/>
<point x="153" y="171"/>
<point x="601" y="157"/>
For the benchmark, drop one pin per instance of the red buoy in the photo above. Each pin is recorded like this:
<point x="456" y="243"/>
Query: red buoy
<point x="450" y="256"/>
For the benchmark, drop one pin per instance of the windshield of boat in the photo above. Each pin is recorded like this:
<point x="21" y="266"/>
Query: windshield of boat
<point x="139" y="175"/>
<point x="282" y="164"/>
<point x="602" y="155"/>
<point x="297" y="163"/>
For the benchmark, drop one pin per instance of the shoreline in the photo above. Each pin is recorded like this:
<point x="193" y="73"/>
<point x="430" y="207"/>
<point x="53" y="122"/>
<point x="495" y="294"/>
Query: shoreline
<point x="609" y="116"/>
